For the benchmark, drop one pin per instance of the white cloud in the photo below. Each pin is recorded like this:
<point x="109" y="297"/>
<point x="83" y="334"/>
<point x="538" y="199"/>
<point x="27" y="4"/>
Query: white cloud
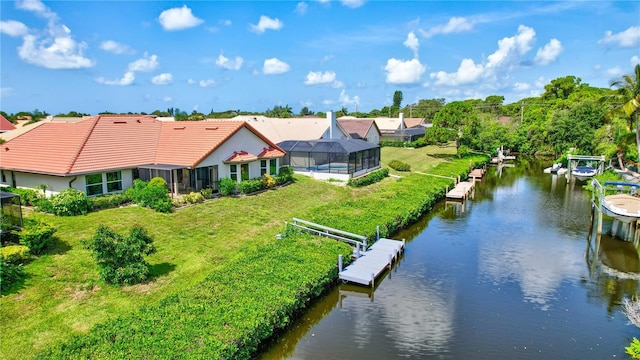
<point x="227" y="63"/>
<point x="226" y="22"/>
<point x="412" y="43"/>
<point x="468" y="72"/>
<point x="162" y="79"/>
<point x="614" y="71"/>
<point x="167" y="99"/>
<point x="54" y="48"/>
<point x="127" y="79"/>
<point x="13" y="28"/>
<point x="352" y="3"/>
<point x="345" y="100"/>
<point x="635" y="60"/>
<point x="455" y="25"/>
<point x="266" y="23"/>
<point x="274" y="66"/>
<point x="323" y="78"/>
<point x="178" y="19"/>
<point x="404" y="72"/>
<point x="147" y="63"/>
<point x="628" y="38"/>
<point x="37" y="7"/>
<point x="207" y="83"/>
<point x="301" y="8"/>
<point x="327" y="102"/>
<point x="191" y="81"/>
<point x="326" y="58"/>
<point x="549" y="53"/>
<point x="510" y="47"/>
<point x="116" y="47"/>
<point x="61" y="52"/>
<point x="521" y="86"/>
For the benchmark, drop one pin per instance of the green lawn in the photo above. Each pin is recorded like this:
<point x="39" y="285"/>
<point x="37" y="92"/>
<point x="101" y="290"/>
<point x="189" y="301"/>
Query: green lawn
<point x="421" y="159"/>
<point x="62" y="294"/>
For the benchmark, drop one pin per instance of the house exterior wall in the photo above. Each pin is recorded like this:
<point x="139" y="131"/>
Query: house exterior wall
<point x="57" y="184"/>
<point x="373" y="136"/>
<point x="244" y="139"/>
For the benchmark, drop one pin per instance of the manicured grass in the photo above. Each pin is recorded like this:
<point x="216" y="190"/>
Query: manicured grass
<point x="63" y="296"/>
<point x="421" y="159"/>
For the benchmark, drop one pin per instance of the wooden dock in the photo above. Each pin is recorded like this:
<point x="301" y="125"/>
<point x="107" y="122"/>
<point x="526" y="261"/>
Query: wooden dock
<point x="462" y="190"/>
<point x="477" y="173"/>
<point x="372" y="262"/>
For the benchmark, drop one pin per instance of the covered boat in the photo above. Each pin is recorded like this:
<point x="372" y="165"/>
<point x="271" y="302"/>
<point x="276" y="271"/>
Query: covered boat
<point x="584" y="172"/>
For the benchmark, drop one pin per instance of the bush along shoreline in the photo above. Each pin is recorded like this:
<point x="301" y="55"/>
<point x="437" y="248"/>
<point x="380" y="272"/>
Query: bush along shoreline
<point x="252" y="297"/>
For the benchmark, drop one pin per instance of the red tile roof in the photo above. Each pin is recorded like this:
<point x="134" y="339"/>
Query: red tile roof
<point x="5" y="125"/>
<point x="358" y="126"/>
<point x="116" y="142"/>
<point x="271" y="153"/>
<point x="241" y="157"/>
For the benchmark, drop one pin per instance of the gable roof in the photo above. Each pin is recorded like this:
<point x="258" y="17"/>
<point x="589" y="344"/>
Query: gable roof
<point x="413" y="122"/>
<point x="5" y="125"/>
<point x="358" y="128"/>
<point x="281" y="129"/>
<point x="108" y="142"/>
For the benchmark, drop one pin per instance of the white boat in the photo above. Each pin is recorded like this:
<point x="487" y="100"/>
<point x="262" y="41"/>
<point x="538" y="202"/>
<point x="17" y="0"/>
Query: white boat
<point x="584" y="172"/>
<point x="556" y="169"/>
<point x="623" y="207"/>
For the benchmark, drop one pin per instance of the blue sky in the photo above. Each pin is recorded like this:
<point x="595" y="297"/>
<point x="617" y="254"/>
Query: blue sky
<point x="121" y="56"/>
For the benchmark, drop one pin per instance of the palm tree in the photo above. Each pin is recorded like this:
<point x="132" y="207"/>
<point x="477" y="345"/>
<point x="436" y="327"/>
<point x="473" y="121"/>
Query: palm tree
<point x="627" y="89"/>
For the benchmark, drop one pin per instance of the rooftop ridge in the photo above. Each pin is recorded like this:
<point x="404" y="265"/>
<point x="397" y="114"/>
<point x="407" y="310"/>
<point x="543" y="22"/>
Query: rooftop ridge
<point x="84" y="142"/>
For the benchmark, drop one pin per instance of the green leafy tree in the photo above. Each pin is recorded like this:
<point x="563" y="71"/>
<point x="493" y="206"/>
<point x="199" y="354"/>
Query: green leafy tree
<point x="561" y="88"/>
<point x="121" y="258"/>
<point x="627" y="90"/>
<point x="343" y="112"/>
<point x="397" y="99"/>
<point x="305" y="111"/>
<point x="450" y="121"/>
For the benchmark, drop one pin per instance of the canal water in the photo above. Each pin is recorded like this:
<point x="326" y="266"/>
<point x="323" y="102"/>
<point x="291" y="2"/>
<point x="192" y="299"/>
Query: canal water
<point x="511" y="274"/>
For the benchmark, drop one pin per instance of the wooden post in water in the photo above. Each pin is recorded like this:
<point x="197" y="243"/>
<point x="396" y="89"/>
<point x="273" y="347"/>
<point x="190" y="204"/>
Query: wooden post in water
<point x="340" y="263"/>
<point x="390" y="261"/>
<point x="377" y="232"/>
<point x="373" y="280"/>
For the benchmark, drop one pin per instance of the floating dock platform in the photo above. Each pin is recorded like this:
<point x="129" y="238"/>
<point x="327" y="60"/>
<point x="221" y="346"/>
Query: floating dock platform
<point x="372" y="262"/>
<point x="462" y="190"/>
<point x="477" y="173"/>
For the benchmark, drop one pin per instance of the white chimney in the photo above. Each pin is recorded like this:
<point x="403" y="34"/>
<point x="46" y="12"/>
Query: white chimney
<point x="333" y="128"/>
<point x="401" y="120"/>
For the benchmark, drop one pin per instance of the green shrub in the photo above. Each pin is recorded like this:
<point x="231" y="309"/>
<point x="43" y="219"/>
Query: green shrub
<point x="70" y="202"/>
<point x="15" y="254"/>
<point x="193" y="198"/>
<point x="227" y="186"/>
<point x="285" y="175"/>
<point x="37" y="236"/>
<point x="370" y="178"/>
<point x="120" y="258"/>
<point x="207" y="193"/>
<point x="10" y="273"/>
<point x="463" y="151"/>
<point x="28" y="197"/>
<point x="178" y="202"/>
<point x="108" y="201"/>
<point x="154" y="194"/>
<point x="399" y="165"/>
<point x="633" y="349"/>
<point x="250" y="186"/>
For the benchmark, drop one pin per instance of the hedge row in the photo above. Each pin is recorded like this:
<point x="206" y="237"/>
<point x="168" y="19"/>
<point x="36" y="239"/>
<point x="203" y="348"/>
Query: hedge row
<point x="370" y="178"/>
<point x="227" y="315"/>
<point x="399" y="165"/>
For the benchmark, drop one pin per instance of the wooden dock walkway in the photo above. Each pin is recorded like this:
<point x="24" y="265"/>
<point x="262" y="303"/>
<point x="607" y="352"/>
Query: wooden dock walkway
<point x="368" y="262"/>
<point x="477" y="173"/>
<point x="462" y="190"/>
<point x="365" y="269"/>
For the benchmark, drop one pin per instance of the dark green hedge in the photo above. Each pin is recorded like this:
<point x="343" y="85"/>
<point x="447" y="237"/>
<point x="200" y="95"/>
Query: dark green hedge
<point x="370" y="178"/>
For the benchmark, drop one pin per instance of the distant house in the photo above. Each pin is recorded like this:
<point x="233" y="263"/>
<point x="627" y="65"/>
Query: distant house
<point x="5" y="125"/>
<point x="364" y="129"/>
<point x="104" y="154"/>
<point x="331" y="157"/>
<point x="304" y="128"/>
<point x="398" y="129"/>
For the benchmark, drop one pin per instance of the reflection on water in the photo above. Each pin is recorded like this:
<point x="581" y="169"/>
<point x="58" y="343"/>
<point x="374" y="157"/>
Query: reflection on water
<point x="513" y="273"/>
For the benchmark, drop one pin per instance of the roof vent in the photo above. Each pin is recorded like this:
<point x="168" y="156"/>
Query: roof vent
<point x="211" y="128"/>
<point x="119" y="122"/>
<point x="179" y="128"/>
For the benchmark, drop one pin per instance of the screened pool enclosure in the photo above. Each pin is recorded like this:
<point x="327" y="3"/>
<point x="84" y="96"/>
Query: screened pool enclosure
<point x="335" y="158"/>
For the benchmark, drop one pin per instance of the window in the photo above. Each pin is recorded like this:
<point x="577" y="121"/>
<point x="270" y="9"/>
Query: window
<point x="93" y="184"/>
<point x="244" y="171"/>
<point x="263" y="167"/>
<point x="273" y="167"/>
<point x="114" y="181"/>
<point x="233" y="172"/>
<point x="4" y="177"/>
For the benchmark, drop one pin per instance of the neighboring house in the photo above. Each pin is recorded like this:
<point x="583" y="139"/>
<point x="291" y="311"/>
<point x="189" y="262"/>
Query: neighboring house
<point x="5" y="125"/>
<point x="333" y="156"/>
<point x="104" y="154"/>
<point x="398" y="129"/>
<point x="364" y="129"/>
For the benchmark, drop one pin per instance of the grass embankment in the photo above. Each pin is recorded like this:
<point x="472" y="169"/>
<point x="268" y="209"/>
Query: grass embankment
<point x="222" y="282"/>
